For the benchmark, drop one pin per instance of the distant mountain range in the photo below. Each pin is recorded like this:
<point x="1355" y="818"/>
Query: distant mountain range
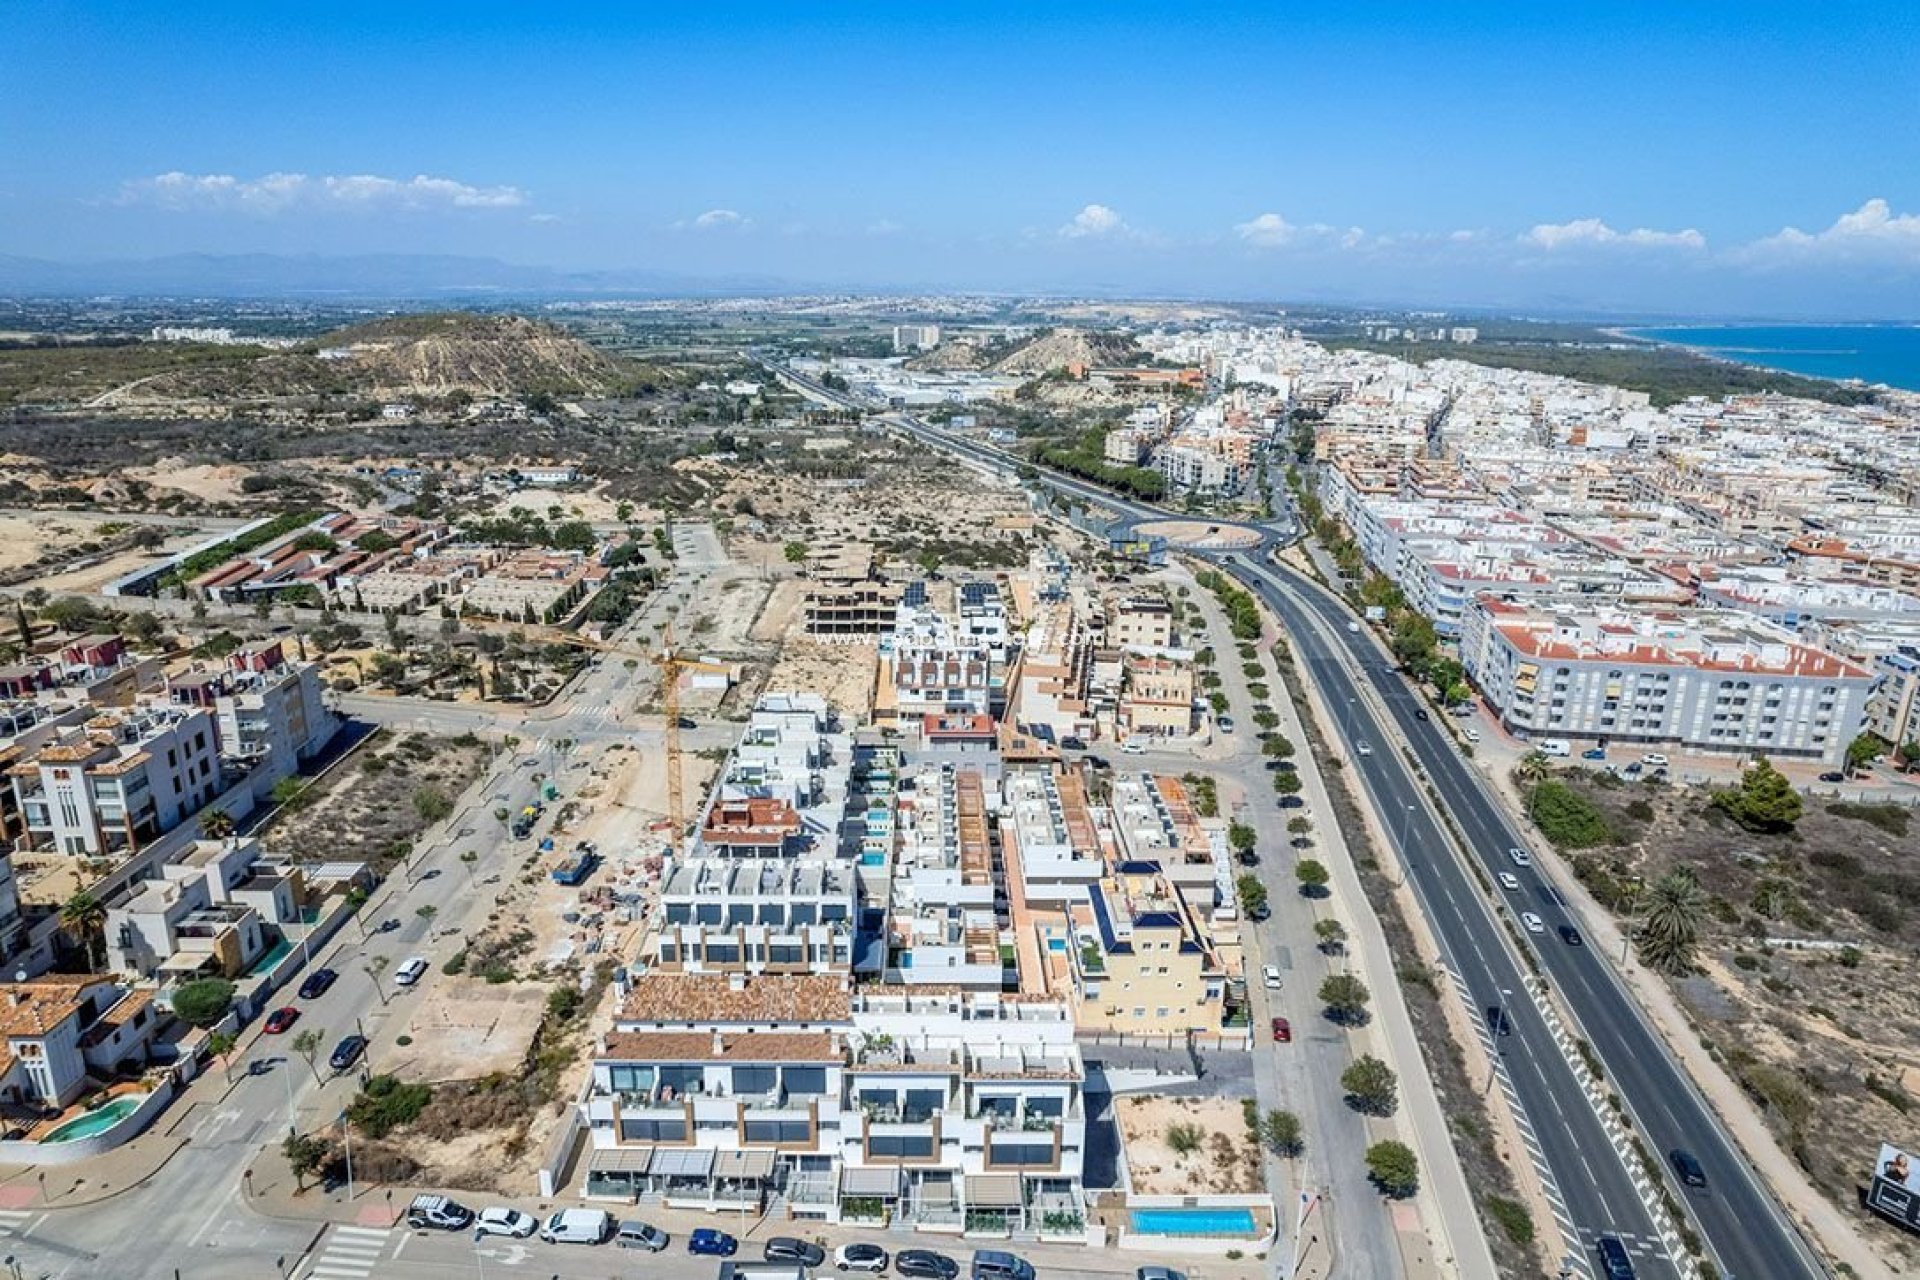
<point x="356" y="276"/>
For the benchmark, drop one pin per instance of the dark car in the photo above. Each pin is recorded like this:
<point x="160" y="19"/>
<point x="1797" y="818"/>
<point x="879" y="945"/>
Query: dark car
<point x="1291" y="802"/>
<point x="317" y="983"/>
<point x="280" y="1019"/>
<point x="1687" y="1167"/>
<point x="1497" y="1020"/>
<point x="794" y="1249"/>
<point x="1247" y="858"/>
<point x="1282" y="766"/>
<point x="1570" y="936"/>
<point x="1614" y="1262"/>
<point x="1073" y="744"/>
<point x="347" y="1052"/>
<point x="1420" y="713"/>
<point x="1099" y="762"/>
<point x="925" y="1263"/>
<point x="715" y="1244"/>
<point x="1833" y="777"/>
<point x="1260" y="912"/>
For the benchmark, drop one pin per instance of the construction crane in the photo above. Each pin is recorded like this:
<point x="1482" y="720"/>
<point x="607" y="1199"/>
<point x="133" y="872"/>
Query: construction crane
<point x="670" y="666"/>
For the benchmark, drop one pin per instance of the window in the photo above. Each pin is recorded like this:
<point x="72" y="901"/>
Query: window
<point x="904" y="1146"/>
<point x="1020" y="1153"/>
<point x="778" y="1131"/>
<point x="755" y="1080"/>
<point x="807" y="1080"/>
<point x="653" y="1130"/>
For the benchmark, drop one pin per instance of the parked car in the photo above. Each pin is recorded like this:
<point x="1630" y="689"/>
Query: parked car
<point x="925" y="1263"/>
<point x="1510" y="882"/>
<point x="347" y="1052"/>
<point x="635" y="1234"/>
<point x="502" y="1221"/>
<point x="1594" y="753"/>
<point x="1615" y="1263"/>
<point x="280" y="1019"/>
<point x="998" y="1264"/>
<point x="1260" y="912"/>
<point x="1521" y="858"/>
<point x="1833" y="776"/>
<point x="1270" y="977"/>
<point x="1472" y="735"/>
<point x="1497" y="1020"/>
<point x="1225" y="723"/>
<point x="860" y="1257"/>
<point x="1687" y="1167"/>
<point x="1247" y="858"/>
<point x="1533" y="922"/>
<point x="410" y="971"/>
<point x="578" y="1226"/>
<point x="712" y="1243"/>
<point x="1571" y="936"/>
<point x="794" y="1249"/>
<point x="1283" y="766"/>
<point x="317" y="983"/>
<point x="1290" y="802"/>
<point x="438" y="1213"/>
<point x="1654" y="760"/>
<point x="1068" y="743"/>
<point x="1134" y="747"/>
<point x="1282" y="1031"/>
<point x="1159" y="1273"/>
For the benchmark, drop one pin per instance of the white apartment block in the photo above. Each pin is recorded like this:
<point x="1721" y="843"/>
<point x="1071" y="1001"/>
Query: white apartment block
<point x="115" y="783"/>
<point x="1706" y="681"/>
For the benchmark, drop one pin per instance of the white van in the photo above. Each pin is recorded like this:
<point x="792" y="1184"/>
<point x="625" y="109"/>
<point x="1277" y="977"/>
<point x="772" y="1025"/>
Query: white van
<point x="1554" y="747"/>
<point x="577" y="1226"/>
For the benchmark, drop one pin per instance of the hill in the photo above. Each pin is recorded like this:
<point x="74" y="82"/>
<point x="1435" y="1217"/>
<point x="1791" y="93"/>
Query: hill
<point x="1051" y="352"/>
<point x="419" y="355"/>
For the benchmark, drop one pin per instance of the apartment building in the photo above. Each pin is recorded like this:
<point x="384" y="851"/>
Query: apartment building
<point x="114" y="783"/>
<point x="1143" y="957"/>
<point x="1707" y="681"/>
<point x="215" y="911"/>
<point x="943" y="925"/>
<point x="1049" y="689"/>
<point x="269" y="713"/>
<point x="1156" y="698"/>
<point x="1144" y="624"/>
<point x="58" y="1030"/>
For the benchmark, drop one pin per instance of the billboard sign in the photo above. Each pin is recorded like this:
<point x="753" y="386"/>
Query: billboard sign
<point x="1895" y="1192"/>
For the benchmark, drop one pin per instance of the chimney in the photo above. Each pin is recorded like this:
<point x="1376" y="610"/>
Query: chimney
<point x="719" y="1044"/>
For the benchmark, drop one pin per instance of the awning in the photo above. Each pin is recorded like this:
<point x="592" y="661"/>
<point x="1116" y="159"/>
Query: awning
<point x="681" y="1162"/>
<point x="870" y="1182"/>
<point x="743" y="1164"/>
<point x="994" y="1191"/>
<point x="619" y="1160"/>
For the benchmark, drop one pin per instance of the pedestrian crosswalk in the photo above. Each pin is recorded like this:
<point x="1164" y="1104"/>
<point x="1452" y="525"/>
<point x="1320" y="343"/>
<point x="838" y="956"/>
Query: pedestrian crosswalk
<point x="350" y="1253"/>
<point x="14" y="1222"/>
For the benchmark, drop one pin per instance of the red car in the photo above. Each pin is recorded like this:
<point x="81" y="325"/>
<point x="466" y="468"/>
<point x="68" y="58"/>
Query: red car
<point x="280" y="1019"/>
<point x="1282" y="1031"/>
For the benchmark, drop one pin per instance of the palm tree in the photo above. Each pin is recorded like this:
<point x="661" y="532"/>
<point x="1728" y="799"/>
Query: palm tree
<point x="85" y="916"/>
<point x="1676" y="907"/>
<point x="1534" y="767"/>
<point x="216" y="824"/>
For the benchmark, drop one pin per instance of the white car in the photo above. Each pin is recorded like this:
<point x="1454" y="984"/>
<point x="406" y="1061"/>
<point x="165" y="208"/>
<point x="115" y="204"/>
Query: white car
<point x="1471" y="735"/>
<point x="860" y="1257"/>
<point x="1364" y="748"/>
<point x="1533" y="922"/>
<point x="1521" y="858"/>
<point x="410" y="972"/>
<point x="502" y="1221"/>
<point x="1654" y="760"/>
<point x="1134" y="747"/>
<point x="1510" y="882"/>
<point x="1270" y="978"/>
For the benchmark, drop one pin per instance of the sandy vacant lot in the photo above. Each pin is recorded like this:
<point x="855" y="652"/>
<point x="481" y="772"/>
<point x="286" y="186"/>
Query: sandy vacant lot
<point x="1224" y="1162"/>
<point x="843" y="674"/>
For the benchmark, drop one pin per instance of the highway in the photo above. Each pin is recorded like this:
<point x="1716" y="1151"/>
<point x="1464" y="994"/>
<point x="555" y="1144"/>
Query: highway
<point x="1745" y="1230"/>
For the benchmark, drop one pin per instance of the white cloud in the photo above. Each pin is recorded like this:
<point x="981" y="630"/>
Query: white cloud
<point x="1591" y="231"/>
<point x="1268" y="231"/>
<point x="884" y="227"/>
<point x="1096" y="221"/>
<point x="719" y="219"/>
<point x="1873" y="231"/>
<point x="543" y="217"/>
<point x="279" y="192"/>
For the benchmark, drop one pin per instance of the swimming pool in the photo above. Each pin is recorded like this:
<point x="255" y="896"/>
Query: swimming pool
<point x="1194" y="1222"/>
<point x="97" y="1121"/>
<point x="873" y="859"/>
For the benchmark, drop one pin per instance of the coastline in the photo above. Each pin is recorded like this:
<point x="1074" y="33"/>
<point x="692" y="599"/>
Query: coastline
<point x="1643" y="336"/>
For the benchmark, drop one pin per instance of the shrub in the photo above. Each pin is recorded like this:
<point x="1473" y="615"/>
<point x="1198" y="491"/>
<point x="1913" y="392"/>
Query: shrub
<point x="1566" y="818"/>
<point x="386" y="1104"/>
<point x="1185" y="1139"/>
<point x="1371" y="1087"/>
<point x="1513" y="1219"/>
<point x="1394" y="1168"/>
<point x="203" y="1002"/>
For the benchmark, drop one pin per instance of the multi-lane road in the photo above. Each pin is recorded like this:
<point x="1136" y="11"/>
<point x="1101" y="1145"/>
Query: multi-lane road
<point x="1745" y="1230"/>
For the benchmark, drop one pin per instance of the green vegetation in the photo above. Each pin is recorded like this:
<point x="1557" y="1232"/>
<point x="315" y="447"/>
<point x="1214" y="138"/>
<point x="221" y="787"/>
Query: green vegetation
<point x="386" y="1104"/>
<point x="1345" y="998"/>
<point x="1252" y="894"/>
<point x="1243" y="615"/>
<point x="306" y="1155"/>
<point x="1887" y="816"/>
<point x="1312" y="875"/>
<point x="1676" y="907"/>
<point x="1667" y="374"/>
<point x="1282" y="1132"/>
<point x="1762" y="801"/>
<point x="1185" y="1139"/>
<point x="1371" y="1087"/>
<point x="1513" y="1219"/>
<point x="1394" y="1168"/>
<point x="1085" y="457"/>
<point x="431" y="804"/>
<point x="203" y="1002"/>
<point x="1566" y="818"/>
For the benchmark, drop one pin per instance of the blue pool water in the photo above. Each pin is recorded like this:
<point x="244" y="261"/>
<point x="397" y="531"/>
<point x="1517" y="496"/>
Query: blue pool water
<point x="265" y="963"/>
<point x="873" y="859"/>
<point x="97" y="1121"/>
<point x="1194" y="1222"/>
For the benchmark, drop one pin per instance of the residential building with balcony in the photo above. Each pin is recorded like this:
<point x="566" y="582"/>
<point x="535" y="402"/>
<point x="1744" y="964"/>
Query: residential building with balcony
<point x="60" y="1032"/>
<point x="944" y="914"/>
<point x="1156" y="697"/>
<point x="215" y="911"/>
<point x="114" y="783"/>
<point x="1144" y="961"/>
<point x="1707" y="681"/>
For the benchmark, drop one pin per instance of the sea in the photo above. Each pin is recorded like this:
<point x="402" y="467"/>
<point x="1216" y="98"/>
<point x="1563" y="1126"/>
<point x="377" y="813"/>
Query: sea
<point x="1871" y="353"/>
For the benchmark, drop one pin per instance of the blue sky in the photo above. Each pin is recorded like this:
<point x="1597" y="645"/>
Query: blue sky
<point x="1708" y="158"/>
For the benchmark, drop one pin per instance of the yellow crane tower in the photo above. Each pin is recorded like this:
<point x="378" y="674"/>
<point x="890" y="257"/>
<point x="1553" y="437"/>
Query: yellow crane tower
<point x="670" y="666"/>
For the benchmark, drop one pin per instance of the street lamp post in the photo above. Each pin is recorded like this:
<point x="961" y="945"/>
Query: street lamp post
<point x="346" y="1137"/>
